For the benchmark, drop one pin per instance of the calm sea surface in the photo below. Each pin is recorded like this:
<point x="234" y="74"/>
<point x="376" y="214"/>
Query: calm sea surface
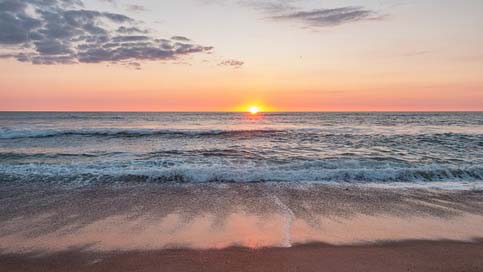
<point x="80" y="149"/>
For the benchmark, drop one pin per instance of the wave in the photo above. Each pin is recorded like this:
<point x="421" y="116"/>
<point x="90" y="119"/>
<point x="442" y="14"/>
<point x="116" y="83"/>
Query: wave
<point x="125" y="132"/>
<point x="170" y="172"/>
<point x="27" y="156"/>
<point x="304" y="134"/>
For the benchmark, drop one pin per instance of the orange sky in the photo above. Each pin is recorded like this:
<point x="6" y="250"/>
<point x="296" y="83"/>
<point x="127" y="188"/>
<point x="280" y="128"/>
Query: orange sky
<point x="396" y="59"/>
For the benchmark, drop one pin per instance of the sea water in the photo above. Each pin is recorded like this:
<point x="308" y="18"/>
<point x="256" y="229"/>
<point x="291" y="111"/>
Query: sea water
<point x="80" y="149"/>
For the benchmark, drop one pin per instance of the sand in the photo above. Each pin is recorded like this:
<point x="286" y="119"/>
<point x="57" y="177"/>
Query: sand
<point x="238" y="227"/>
<point x="397" y="256"/>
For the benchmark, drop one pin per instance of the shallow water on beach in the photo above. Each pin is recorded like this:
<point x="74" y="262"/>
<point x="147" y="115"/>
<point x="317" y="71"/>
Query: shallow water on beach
<point x="79" y="149"/>
<point x="243" y="230"/>
<point x="153" y="217"/>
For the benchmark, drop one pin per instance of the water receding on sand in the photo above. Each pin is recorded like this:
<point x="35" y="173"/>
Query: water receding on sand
<point x="151" y="217"/>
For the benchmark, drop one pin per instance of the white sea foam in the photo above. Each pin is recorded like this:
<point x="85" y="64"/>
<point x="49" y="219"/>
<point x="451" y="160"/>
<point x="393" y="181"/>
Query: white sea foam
<point x="300" y="147"/>
<point x="322" y="171"/>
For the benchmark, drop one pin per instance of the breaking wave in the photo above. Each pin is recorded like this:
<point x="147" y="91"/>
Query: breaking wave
<point x="171" y="172"/>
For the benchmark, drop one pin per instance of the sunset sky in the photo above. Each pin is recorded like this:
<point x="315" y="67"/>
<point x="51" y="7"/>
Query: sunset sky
<point x="227" y="55"/>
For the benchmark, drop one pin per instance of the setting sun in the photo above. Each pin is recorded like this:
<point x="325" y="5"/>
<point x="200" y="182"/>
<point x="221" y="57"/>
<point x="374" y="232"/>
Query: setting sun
<point x="254" y="109"/>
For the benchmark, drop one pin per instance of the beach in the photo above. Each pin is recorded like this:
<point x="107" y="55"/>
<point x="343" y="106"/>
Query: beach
<point x="234" y="192"/>
<point x="398" y="256"/>
<point x="241" y="135"/>
<point x="239" y="227"/>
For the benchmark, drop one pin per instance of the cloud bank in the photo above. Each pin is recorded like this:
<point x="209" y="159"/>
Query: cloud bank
<point x="62" y="31"/>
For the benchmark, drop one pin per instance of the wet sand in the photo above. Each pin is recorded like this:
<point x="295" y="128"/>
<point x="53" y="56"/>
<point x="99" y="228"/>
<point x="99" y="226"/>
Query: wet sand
<point x="396" y="256"/>
<point x="238" y="227"/>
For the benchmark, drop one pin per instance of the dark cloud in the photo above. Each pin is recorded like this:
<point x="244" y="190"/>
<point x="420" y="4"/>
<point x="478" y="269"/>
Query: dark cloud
<point x="328" y="17"/>
<point x="232" y="63"/>
<point x="130" y="30"/>
<point x="180" y="38"/>
<point x="62" y="31"/>
<point x="130" y="38"/>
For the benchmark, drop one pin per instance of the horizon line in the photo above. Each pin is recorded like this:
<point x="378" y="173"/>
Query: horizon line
<point x="121" y="111"/>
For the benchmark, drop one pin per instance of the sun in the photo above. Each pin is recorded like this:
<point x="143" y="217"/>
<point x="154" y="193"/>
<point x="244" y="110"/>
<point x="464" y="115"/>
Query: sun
<point x="254" y="109"/>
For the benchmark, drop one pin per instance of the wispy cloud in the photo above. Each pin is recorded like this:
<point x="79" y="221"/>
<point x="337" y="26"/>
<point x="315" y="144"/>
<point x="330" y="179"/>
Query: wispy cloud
<point x="62" y="31"/>
<point x="270" y="6"/>
<point x="261" y="5"/>
<point x="136" y="8"/>
<point x="289" y="10"/>
<point x="112" y="2"/>
<point x="231" y="62"/>
<point x="180" y="39"/>
<point x="328" y="17"/>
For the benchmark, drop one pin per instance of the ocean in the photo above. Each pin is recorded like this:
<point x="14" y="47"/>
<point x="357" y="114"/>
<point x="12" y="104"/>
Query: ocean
<point x="97" y="183"/>
<point x="441" y="149"/>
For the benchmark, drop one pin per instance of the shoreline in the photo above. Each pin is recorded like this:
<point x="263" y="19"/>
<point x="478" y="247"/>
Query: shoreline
<point x="412" y="255"/>
<point x="206" y="216"/>
<point x="194" y="227"/>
